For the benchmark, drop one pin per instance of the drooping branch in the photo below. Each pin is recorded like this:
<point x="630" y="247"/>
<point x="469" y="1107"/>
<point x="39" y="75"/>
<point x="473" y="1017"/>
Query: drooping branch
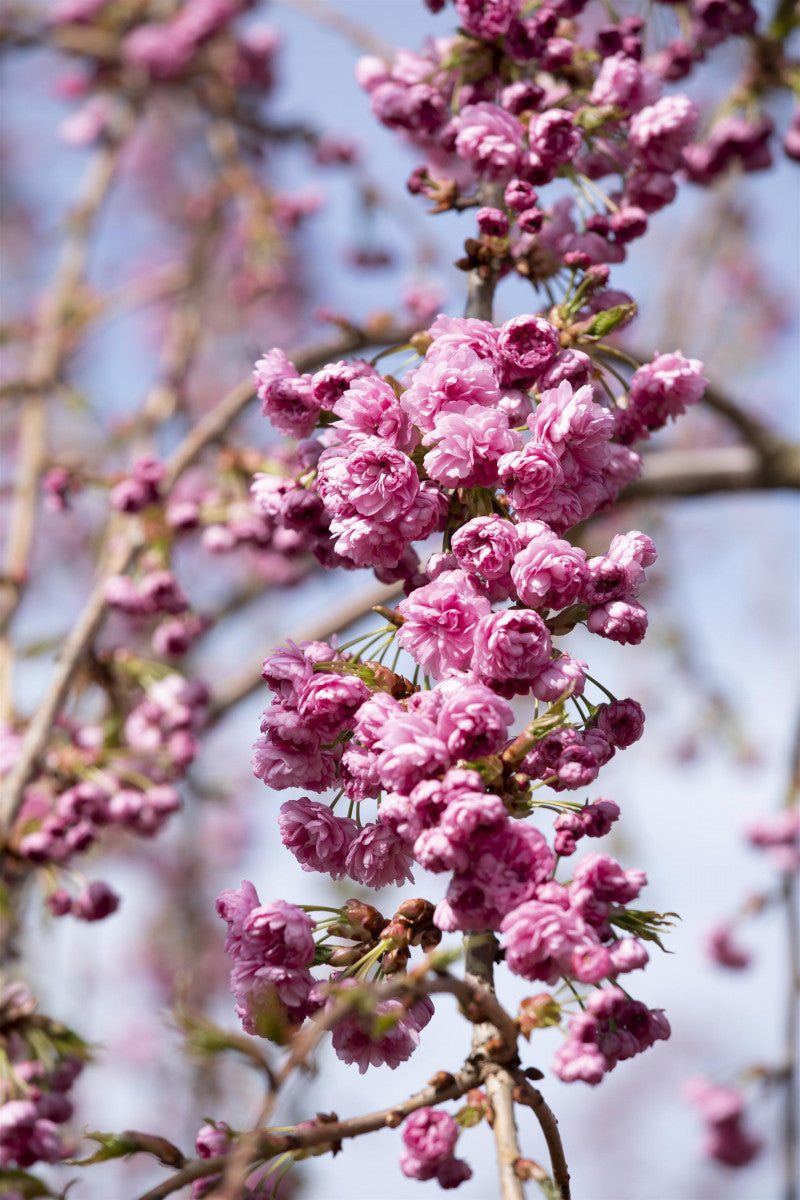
<point x="335" y="619"/>
<point x="126" y="548"/>
<point x="479" y="1005"/>
<point x="525" y="1093"/>
<point x="328" y="1133"/>
<point x="44" y="366"/>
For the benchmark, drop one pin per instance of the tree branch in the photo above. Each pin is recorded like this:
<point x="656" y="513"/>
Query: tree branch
<point x="480" y="950"/>
<point x="46" y="356"/>
<point x="208" y="430"/>
<point x="326" y="1134"/>
<point x="524" y="1093"/>
<point x="320" y="629"/>
<point x="714" y="470"/>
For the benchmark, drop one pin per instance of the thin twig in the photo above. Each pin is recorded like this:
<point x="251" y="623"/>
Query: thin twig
<point x="319" y="629"/>
<point x="354" y="31"/>
<point x="46" y="357"/>
<point x="528" y="1095"/>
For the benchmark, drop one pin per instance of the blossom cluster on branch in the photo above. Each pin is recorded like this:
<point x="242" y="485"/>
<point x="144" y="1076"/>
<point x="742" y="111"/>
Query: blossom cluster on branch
<point x="461" y="735"/>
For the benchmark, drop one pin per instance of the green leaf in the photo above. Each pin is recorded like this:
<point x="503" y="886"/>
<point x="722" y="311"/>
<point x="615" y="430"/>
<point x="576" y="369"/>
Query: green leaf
<point x="27" y="1185"/>
<point x="643" y="924"/>
<point x="112" y="1145"/>
<point x="609" y="319"/>
<point x="469" y="1116"/>
<point x="120" y="1145"/>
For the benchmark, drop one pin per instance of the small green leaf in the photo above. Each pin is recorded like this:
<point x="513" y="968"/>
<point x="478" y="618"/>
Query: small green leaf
<point x="112" y="1145"/>
<point x="469" y="1116"/>
<point x="609" y="319"/>
<point x="642" y="924"/>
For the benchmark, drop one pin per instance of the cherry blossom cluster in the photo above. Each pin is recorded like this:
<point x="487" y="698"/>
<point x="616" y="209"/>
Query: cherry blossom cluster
<point x="100" y="777"/>
<point x="722" y="1109"/>
<point x="486" y="455"/>
<point x="201" y="36"/>
<point x="429" y="1138"/>
<point x="524" y="94"/>
<point x="41" y="1061"/>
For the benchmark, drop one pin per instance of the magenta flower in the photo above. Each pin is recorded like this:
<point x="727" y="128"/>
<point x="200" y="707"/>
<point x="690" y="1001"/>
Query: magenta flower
<point x="542" y="939"/>
<point x="467" y="446"/>
<point x="622" y="721"/>
<point x="576" y="428"/>
<point x="622" y="621"/>
<point x="377" y="857"/>
<point x="511" y="647"/>
<point x="370" y="408"/>
<point x="286" y="396"/>
<point x="625" y="83"/>
<point x="529" y="477"/>
<point x="665" y="388"/>
<point x="553" y="139"/>
<point x="375" y="481"/>
<point x="452" y="379"/>
<point x="487" y="18"/>
<point x="662" y="130"/>
<point x="549" y="572"/>
<point x="490" y="140"/>
<point x="722" y="949"/>
<point x="527" y="344"/>
<point x="356" y="1041"/>
<point x="440" y="621"/>
<point x="318" y="839"/>
<point x="473" y="720"/>
<point x="504" y="871"/>
<point x="486" y="546"/>
<point x="726" y="1139"/>
<point x="329" y="701"/>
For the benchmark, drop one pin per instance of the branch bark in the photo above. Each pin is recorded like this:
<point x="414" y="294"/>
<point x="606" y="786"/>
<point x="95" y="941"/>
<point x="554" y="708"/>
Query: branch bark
<point x="715" y="470"/>
<point x="480" y="950"/>
<point x="44" y="365"/>
<point x="524" y="1093"/>
<point x="323" y="1134"/>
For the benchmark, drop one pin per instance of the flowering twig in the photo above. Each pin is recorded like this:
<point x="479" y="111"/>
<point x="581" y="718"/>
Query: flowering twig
<point x="331" y="621"/>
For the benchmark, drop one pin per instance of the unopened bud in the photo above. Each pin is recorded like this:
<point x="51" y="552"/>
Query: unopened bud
<point x="346" y="956"/>
<point x="526" y="1168"/>
<point x="364" y="918"/>
<point x="395" y="960"/>
<point x="416" y="911"/>
<point x="430" y="939"/>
